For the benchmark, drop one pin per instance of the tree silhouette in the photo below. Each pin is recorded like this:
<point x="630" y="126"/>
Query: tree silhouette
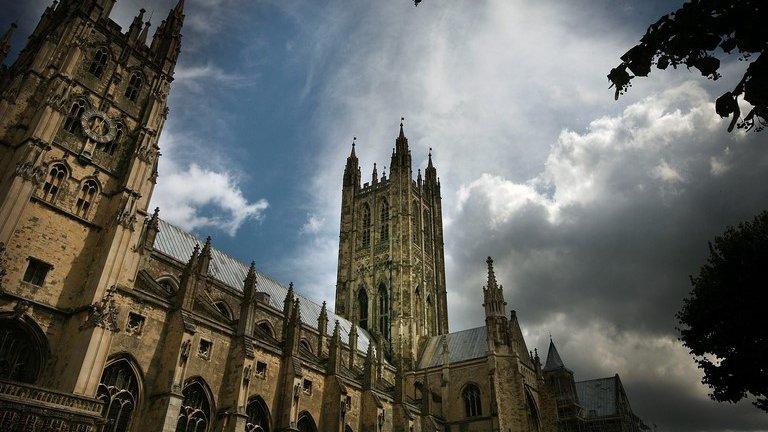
<point x="723" y="320"/>
<point x="691" y="37"/>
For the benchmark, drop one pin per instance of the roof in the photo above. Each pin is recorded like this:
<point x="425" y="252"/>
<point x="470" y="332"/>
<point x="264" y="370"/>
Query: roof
<point x="553" y="358"/>
<point x="598" y="396"/>
<point x="462" y="345"/>
<point x="179" y="244"/>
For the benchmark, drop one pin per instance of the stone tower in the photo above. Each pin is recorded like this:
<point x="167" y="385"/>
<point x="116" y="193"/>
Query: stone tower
<point x="391" y="273"/>
<point x="81" y="110"/>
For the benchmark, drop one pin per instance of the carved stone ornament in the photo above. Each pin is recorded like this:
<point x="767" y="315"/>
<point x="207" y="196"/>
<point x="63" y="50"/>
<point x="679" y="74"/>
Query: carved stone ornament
<point x="21" y="308"/>
<point x="104" y="313"/>
<point x="30" y="171"/>
<point x="185" y="348"/>
<point x="98" y="126"/>
<point x="247" y="375"/>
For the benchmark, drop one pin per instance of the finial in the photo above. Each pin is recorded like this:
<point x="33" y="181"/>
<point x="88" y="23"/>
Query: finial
<point x="491" y="274"/>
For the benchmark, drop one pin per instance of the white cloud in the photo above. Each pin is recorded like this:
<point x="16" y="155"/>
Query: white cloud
<point x="194" y="197"/>
<point x="313" y="225"/>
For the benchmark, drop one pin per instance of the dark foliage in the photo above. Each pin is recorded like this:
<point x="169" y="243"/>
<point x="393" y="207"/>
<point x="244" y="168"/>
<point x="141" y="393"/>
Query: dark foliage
<point x="724" y="322"/>
<point x="691" y="37"/>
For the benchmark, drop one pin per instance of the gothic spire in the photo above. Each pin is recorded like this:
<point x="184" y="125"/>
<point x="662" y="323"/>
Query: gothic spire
<point x="493" y="294"/>
<point x="375" y="175"/>
<point x="491" y="274"/>
<point x="352" y="169"/>
<point x="553" y="358"/>
<point x="5" y="41"/>
<point x="401" y="158"/>
<point x="136" y="25"/>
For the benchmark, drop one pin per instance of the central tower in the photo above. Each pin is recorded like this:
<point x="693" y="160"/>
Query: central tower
<point x="391" y="274"/>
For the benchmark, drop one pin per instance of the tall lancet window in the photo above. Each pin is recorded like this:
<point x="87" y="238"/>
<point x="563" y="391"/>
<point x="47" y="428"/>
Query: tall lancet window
<point x="86" y="197"/>
<point x="384" y="311"/>
<point x="53" y="182"/>
<point x="98" y="62"/>
<point x="472" y="404"/>
<point x="134" y="86"/>
<point x="366" y="237"/>
<point x="427" y="229"/>
<point x="195" y="413"/>
<point x="72" y="123"/>
<point x="384" y="221"/>
<point x="415" y="228"/>
<point x="362" y="308"/>
<point x="119" y="390"/>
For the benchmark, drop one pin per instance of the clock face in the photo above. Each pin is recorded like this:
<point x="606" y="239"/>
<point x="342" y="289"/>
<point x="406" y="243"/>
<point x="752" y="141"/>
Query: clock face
<point x="98" y="126"/>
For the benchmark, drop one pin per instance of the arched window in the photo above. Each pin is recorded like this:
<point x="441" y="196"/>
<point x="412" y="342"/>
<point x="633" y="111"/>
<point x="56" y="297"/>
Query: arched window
<point x="134" y="86"/>
<point x="53" y="182"/>
<point x="98" y="62"/>
<point x="72" y="123"/>
<point x="222" y="307"/>
<point x="195" y="413"/>
<point x="532" y="412"/>
<point x="306" y="423"/>
<point x="384" y="221"/>
<point x="109" y="147"/>
<point x="21" y="353"/>
<point x="472" y="405"/>
<point x="427" y="229"/>
<point x="258" y="415"/>
<point x="415" y="228"/>
<point x="86" y="197"/>
<point x="384" y="311"/>
<point x="362" y="308"/>
<point x="366" y="238"/>
<point x="119" y="390"/>
<point x="265" y="329"/>
<point x="304" y="344"/>
<point x="168" y="284"/>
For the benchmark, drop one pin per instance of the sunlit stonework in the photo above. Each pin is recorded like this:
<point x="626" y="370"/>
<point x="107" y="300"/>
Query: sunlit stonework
<point x="112" y="319"/>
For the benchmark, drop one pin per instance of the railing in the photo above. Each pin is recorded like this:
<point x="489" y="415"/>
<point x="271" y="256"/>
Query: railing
<point x="25" y="407"/>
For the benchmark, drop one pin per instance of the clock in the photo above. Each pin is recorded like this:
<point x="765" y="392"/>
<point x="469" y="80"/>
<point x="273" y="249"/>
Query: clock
<point x="98" y="126"/>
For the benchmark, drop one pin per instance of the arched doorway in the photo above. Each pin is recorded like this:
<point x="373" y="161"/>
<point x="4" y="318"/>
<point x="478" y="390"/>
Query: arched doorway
<point x="119" y="390"/>
<point x="258" y="415"/>
<point x="306" y="423"/>
<point x="195" y="413"/>
<point x="23" y="349"/>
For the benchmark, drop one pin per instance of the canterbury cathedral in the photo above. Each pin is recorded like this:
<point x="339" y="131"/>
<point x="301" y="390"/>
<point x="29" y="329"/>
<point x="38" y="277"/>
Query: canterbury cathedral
<point x="113" y="319"/>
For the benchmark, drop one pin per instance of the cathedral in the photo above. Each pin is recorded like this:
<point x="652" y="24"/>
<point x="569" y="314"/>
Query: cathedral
<point x="113" y="319"/>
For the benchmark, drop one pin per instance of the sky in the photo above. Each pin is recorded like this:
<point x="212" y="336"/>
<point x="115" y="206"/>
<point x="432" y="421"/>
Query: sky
<point x="596" y="211"/>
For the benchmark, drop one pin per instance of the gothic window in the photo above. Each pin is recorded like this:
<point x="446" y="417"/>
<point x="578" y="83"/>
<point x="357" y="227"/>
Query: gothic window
<point x="362" y="308"/>
<point x="110" y="147"/>
<point x="119" y="390"/>
<point x="472" y="404"/>
<point x="306" y="423"/>
<point x="222" y="307"/>
<point x="98" y="62"/>
<point x="366" y="237"/>
<point x="85" y="198"/>
<point x="384" y="221"/>
<point x="415" y="228"/>
<point x="168" y="285"/>
<point x="384" y="311"/>
<point x="265" y="329"/>
<point x="304" y="344"/>
<point x="134" y="86"/>
<point x="72" y="123"/>
<point x="258" y="415"/>
<point x="427" y="229"/>
<point x="195" y="413"/>
<point x="20" y="353"/>
<point x="53" y="182"/>
<point x="36" y="272"/>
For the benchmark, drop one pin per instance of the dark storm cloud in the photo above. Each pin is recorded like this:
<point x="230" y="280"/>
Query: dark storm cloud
<point x="601" y="258"/>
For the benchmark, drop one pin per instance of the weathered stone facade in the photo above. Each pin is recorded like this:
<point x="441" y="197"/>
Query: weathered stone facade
<point x="113" y="319"/>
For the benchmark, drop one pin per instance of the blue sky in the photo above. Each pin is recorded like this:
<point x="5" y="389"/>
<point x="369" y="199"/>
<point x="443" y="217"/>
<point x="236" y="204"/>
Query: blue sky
<point x="596" y="210"/>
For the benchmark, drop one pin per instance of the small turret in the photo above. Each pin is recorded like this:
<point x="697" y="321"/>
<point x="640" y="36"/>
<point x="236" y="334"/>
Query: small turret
<point x="151" y="230"/>
<point x="322" y="328"/>
<point x="352" y="346"/>
<point x="352" y="169"/>
<point x="205" y="258"/>
<point x="248" y="305"/>
<point x="401" y="157"/>
<point x="375" y="175"/>
<point x="187" y="287"/>
<point x="369" y="368"/>
<point x="334" y="351"/>
<point x="166" y="44"/>
<point x="493" y="294"/>
<point x="5" y="41"/>
<point x="136" y="26"/>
